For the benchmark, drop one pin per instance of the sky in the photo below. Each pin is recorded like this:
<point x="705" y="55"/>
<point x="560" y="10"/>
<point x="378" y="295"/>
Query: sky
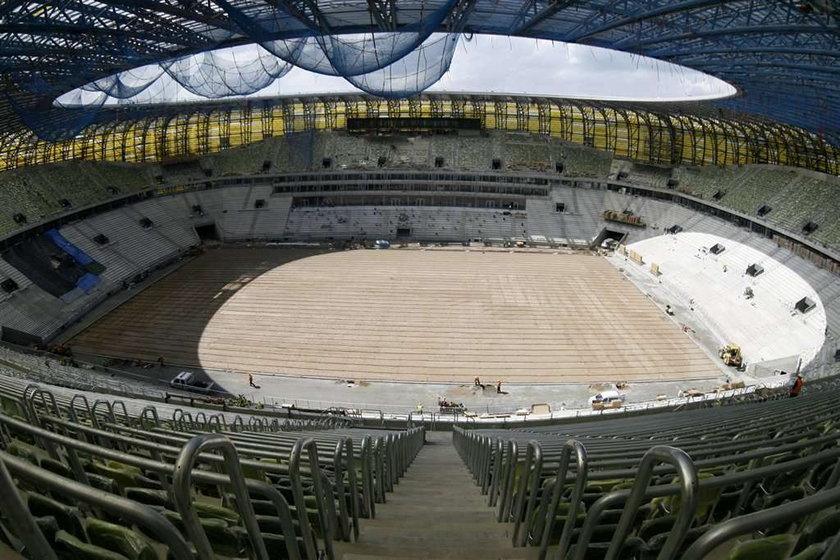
<point x="516" y="65"/>
<point x="499" y="64"/>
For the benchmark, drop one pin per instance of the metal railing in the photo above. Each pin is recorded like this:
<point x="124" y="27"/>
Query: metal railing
<point x="36" y="543"/>
<point x="182" y="493"/>
<point x="771" y="518"/>
<point x="527" y="485"/>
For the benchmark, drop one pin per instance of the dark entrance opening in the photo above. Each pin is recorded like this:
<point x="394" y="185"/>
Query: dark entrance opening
<point x="207" y="233"/>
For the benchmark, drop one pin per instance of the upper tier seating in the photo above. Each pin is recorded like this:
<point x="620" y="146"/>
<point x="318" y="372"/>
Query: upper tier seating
<point x="581" y="161"/>
<point x="429" y="223"/>
<point x="639" y="174"/>
<point x="794" y="197"/>
<point x="38" y="192"/>
<point x="22" y="193"/>
<point x="653" y="486"/>
<point x="132" y="251"/>
<point x="245" y="160"/>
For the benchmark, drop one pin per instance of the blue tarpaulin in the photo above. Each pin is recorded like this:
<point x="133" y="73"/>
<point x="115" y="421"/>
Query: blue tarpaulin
<point x="88" y="282"/>
<point x="61" y="242"/>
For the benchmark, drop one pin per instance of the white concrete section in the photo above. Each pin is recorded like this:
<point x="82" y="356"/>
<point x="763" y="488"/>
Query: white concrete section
<point x="767" y="327"/>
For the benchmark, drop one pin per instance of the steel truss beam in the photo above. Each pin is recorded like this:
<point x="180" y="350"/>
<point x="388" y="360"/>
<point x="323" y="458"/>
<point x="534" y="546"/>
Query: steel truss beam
<point x="50" y="47"/>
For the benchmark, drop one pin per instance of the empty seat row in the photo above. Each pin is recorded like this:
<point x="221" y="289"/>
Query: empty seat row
<point x="100" y="481"/>
<point x="663" y="485"/>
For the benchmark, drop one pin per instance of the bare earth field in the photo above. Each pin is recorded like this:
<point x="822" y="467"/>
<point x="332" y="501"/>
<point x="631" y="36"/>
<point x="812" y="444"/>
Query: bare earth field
<point x="403" y="315"/>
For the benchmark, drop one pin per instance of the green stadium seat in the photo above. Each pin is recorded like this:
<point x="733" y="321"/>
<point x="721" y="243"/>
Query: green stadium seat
<point x="777" y="547"/>
<point x="149" y="497"/>
<point x="70" y="547"/>
<point x="69" y="518"/>
<point x="813" y="552"/>
<point x="119" y="539"/>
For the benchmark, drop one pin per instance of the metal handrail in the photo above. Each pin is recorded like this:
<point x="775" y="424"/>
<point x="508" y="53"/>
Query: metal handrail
<point x="377" y="460"/>
<point x="121" y="404"/>
<point x="767" y="518"/>
<point x="327" y="510"/>
<point x="498" y="451"/>
<point x="367" y="476"/>
<point x="482" y="462"/>
<point x="179" y="420"/>
<point x="144" y="422"/>
<point x="138" y="514"/>
<point x="219" y="420"/>
<point x="163" y="469"/>
<point x="581" y="472"/>
<point x="43" y="393"/>
<point x="22" y="523"/>
<point x="159" y="441"/>
<point x="182" y="485"/>
<point x="72" y="407"/>
<point x="731" y="479"/>
<point x="29" y="386"/>
<point x="688" y="501"/>
<point x="524" y="505"/>
<point x="343" y="447"/>
<point x="187" y="417"/>
<point x="177" y="415"/>
<point x="110" y="412"/>
<point x="509" y="476"/>
<point x="390" y="465"/>
<point x="311" y="448"/>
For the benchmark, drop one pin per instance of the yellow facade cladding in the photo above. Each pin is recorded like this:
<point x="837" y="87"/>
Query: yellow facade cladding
<point x="665" y="136"/>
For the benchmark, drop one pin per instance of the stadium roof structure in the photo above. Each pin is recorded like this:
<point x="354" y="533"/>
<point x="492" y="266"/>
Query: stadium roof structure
<point x="781" y="55"/>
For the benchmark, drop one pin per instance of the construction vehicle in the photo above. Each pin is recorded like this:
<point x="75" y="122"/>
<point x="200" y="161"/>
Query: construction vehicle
<point x="731" y="355"/>
<point x="607" y="399"/>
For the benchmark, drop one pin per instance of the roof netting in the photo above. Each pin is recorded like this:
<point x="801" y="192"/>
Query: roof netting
<point x="244" y="70"/>
<point x="782" y="55"/>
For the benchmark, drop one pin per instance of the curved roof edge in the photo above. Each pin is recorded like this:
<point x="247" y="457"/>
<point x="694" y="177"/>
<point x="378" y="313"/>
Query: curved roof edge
<point x="659" y="133"/>
<point x="782" y="56"/>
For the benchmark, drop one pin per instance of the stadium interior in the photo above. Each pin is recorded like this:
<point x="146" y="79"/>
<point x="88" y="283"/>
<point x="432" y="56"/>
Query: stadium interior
<point x="413" y="324"/>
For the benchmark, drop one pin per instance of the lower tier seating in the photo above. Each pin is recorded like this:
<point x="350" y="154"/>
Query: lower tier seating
<point x="95" y="481"/>
<point x="759" y="479"/>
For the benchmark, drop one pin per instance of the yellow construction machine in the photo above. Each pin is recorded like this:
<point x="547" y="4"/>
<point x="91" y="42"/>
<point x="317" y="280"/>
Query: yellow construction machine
<point x="731" y="355"/>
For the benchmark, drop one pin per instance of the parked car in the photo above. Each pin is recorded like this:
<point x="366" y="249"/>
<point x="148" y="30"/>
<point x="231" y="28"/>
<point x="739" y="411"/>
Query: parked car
<point x="189" y="381"/>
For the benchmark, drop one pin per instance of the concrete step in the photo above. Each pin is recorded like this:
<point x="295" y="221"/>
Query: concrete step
<point x="488" y="553"/>
<point x="433" y="496"/>
<point x="436" y="511"/>
<point x="430" y="523"/>
<point x="464" y="535"/>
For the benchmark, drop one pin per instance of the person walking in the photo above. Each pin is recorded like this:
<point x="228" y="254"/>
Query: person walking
<point x="251" y="381"/>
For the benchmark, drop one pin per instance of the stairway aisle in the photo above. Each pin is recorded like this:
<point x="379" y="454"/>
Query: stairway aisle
<point x="436" y="511"/>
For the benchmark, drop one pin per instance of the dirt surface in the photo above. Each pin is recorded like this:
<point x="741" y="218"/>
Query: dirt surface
<point x="403" y="315"/>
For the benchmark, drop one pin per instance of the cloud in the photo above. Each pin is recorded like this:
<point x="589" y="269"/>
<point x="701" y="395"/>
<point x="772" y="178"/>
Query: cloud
<point x="527" y="66"/>
<point x="494" y="63"/>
